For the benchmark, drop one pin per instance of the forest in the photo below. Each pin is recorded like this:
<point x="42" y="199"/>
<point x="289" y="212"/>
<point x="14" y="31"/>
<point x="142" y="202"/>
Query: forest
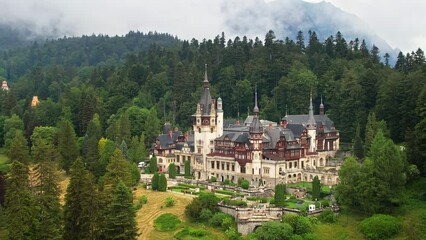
<point x="103" y="99"/>
<point x="158" y="74"/>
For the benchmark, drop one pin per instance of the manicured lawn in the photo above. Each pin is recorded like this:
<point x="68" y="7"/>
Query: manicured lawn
<point x="153" y="208"/>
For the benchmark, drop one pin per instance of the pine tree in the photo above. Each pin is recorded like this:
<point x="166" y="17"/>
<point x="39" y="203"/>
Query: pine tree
<point x="19" y="150"/>
<point x="125" y="134"/>
<point x="21" y="207"/>
<point x="153" y="168"/>
<point x="172" y="171"/>
<point x="316" y="188"/>
<point x="119" y="169"/>
<point x="90" y="146"/>
<point x="154" y="181"/>
<point x="81" y="206"/>
<point x="162" y="183"/>
<point x="67" y="144"/>
<point x="120" y="216"/>
<point x="187" y="168"/>
<point x="47" y="192"/>
<point x="279" y="195"/>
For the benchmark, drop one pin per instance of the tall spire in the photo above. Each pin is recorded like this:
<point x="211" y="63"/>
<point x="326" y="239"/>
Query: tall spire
<point x="311" y="122"/>
<point x="321" y="107"/>
<point x="255" y="126"/>
<point x="256" y="108"/>
<point x="206" y="80"/>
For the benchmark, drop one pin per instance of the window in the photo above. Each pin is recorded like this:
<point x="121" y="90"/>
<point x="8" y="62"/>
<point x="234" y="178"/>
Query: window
<point x="243" y="169"/>
<point x="160" y="160"/>
<point x="212" y="165"/>
<point x="211" y="130"/>
<point x="227" y="166"/>
<point x="178" y="158"/>
<point x="223" y="166"/>
<point x="233" y="167"/>
<point x="266" y="170"/>
<point x="199" y="130"/>
<point x="218" y="165"/>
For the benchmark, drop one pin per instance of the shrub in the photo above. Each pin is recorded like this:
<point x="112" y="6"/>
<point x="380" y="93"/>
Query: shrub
<point x="227" y="222"/>
<point x="141" y="201"/>
<point x="232" y="234"/>
<point x="252" y="198"/>
<point x="213" y="179"/>
<point x="325" y="203"/>
<point x="327" y="216"/>
<point x="300" y="224"/>
<point x="245" y="184"/>
<point x="218" y="218"/>
<point x="204" y="201"/>
<point x="379" y="226"/>
<point x="238" y="203"/>
<point x="169" y="202"/>
<point x="226" y="182"/>
<point x="274" y="230"/>
<point x="192" y="232"/>
<point x="166" y="222"/>
<point x="206" y="215"/>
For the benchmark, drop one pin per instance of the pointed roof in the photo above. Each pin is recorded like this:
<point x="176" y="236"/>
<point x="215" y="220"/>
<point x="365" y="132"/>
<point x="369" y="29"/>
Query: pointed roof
<point x="321" y="105"/>
<point x="206" y="98"/>
<point x="311" y="122"/>
<point x="256" y="126"/>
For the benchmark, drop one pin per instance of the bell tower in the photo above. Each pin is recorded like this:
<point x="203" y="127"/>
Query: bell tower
<point x="256" y="137"/>
<point x="207" y="124"/>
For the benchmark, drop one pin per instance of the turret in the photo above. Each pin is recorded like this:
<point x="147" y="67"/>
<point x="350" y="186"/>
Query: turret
<point x="321" y="107"/>
<point x="312" y="128"/>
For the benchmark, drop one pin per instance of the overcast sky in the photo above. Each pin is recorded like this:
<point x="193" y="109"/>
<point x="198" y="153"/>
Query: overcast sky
<point x="402" y="23"/>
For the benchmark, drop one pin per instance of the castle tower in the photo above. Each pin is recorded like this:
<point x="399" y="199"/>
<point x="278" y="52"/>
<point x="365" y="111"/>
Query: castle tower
<point x="219" y="117"/>
<point x="4" y="86"/>
<point x="256" y="136"/>
<point x="206" y="126"/>
<point x="321" y="107"/>
<point x="312" y="128"/>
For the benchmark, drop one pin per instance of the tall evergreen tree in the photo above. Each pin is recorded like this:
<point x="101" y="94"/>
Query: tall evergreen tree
<point x="154" y="181"/>
<point x="21" y="207"/>
<point x="153" y="168"/>
<point x="316" y="188"/>
<point x="47" y="191"/>
<point x="67" y="144"/>
<point x="187" y="168"/>
<point x="125" y="133"/>
<point x="120" y="223"/>
<point x="172" y="170"/>
<point x="81" y="205"/>
<point x="279" y="195"/>
<point x="19" y="150"/>
<point x="119" y="169"/>
<point x="162" y="183"/>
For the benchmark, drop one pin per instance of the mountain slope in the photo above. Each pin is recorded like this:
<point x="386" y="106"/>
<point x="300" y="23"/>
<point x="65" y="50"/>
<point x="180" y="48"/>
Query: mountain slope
<point x="287" y="17"/>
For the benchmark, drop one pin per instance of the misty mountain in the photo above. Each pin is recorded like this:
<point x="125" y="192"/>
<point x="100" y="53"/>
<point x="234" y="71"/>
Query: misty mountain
<point x="14" y="35"/>
<point x="287" y="17"/>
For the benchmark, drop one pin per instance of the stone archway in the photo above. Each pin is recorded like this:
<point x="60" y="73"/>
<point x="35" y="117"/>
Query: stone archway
<point x="178" y="169"/>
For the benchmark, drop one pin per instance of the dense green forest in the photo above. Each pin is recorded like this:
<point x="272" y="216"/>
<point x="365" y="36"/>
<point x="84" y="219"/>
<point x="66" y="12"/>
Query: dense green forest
<point x="138" y="81"/>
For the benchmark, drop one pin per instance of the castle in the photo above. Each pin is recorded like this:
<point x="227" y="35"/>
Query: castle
<point x="263" y="152"/>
